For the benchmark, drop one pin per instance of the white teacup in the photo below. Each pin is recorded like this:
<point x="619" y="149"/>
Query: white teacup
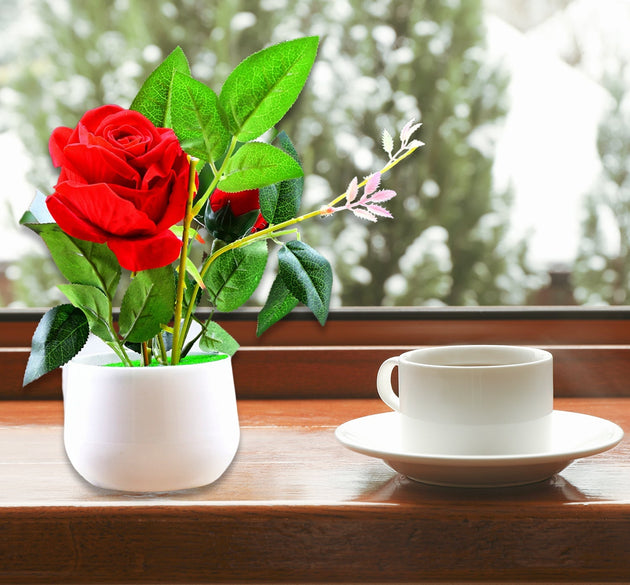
<point x="477" y="400"/>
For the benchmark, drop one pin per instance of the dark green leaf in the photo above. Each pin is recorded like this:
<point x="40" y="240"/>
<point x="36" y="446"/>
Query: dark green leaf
<point x="60" y="335"/>
<point x="280" y="303"/>
<point x="154" y="99"/>
<point x="148" y="303"/>
<point x="234" y="276"/>
<point x="216" y="339"/>
<point x="307" y="275"/>
<point x="96" y="306"/>
<point x="257" y="164"/>
<point x="260" y="91"/>
<point x="268" y="198"/>
<point x="281" y="202"/>
<point x="196" y="119"/>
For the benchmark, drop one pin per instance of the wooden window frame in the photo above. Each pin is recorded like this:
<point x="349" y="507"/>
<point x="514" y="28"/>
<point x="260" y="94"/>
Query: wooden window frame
<point x="298" y="358"/>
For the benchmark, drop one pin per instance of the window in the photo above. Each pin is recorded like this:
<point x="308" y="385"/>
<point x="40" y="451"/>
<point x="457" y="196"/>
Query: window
<point x="518" y="198"/>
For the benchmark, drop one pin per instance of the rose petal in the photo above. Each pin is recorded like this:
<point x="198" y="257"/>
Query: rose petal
<point x="99" y="165"/>
<point x="71" y="223"/>
<point x="93" y="119"/>
<point x="176" y="205"/>
<point x="130" y="118"/>
<point x="160" y="161"/>
<point x="129" y="139"/>
<point x="241" y="202"/>
<point x="164" y="203"/>
<point x="58" y="141"/>
<point x="101" y="207"/>
<point x="146" y="253"/>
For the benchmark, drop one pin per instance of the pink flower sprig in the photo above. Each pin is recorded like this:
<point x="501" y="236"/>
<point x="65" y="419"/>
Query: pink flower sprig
<point x="367" y="207"/>
<point x="405" y="140"/>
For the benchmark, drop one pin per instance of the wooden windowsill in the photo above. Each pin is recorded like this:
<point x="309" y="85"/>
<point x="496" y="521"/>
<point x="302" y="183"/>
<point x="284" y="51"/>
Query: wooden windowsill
<point x="296" y="506"/>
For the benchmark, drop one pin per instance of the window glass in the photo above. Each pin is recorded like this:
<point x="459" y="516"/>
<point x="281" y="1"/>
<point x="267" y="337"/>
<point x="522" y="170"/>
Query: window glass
<point x="520" y="195"/>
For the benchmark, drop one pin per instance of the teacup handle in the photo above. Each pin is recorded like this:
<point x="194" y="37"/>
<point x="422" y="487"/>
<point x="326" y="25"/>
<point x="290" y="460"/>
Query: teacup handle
<point x="384" y="383"/>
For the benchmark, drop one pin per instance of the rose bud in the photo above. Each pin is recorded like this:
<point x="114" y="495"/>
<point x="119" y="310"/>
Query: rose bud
<point x="230" y="216"/>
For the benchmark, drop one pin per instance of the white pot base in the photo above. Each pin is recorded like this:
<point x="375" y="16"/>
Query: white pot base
<point x="150" y="429"/>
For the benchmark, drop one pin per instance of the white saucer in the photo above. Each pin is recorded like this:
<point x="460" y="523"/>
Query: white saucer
<point x="573" y="436"/>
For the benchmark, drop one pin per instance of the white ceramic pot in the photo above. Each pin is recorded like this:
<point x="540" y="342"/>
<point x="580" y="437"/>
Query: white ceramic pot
<point x="149" y="429"/>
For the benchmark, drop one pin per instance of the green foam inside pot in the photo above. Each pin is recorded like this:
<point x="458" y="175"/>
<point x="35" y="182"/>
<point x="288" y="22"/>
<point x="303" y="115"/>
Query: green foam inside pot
<point x="188" y="360"/>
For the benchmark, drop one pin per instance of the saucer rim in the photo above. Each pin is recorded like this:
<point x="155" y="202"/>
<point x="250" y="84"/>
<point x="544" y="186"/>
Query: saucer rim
<point x="403" y="455"/>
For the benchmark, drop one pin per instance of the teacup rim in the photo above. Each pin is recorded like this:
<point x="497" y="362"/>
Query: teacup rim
<point x="543" y="356"/>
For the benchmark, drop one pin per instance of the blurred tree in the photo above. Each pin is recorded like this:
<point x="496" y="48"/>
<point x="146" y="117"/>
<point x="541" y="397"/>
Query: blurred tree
<point x="601" y="274"/>
<point x="380" y="64"/>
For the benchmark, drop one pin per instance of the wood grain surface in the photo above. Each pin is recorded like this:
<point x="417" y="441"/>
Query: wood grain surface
<point x="297" y="507"/>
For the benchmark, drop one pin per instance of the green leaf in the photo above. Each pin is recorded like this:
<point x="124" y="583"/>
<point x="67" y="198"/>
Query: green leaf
<point x="193" y="272"/>
<point x="196" y="119"/>
<point x="262" y="88"/>
<point x="60" y="335"/>
<point x="281" y="202"/>
<point x="234" y="276"/>
<point x="307" y="275"/>
<point x="268" y="198"/>
<point x="155" y="98"/>
<point x="257" y="164"/>
<point x="216" y="339"/>
<point x="148" y="303"/>
<point x="80" y="261"/>
<point x="96" y="306"/>
<point x="280" y="303"/>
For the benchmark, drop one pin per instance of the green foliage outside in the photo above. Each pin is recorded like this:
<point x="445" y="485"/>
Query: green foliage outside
<point x="601" y="274"/>
<point x="379" y="64"/>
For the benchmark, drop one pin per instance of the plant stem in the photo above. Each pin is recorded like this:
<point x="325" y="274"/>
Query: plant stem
<point x="216" y="179"/>
<point x="120" y="352"/>
<point x="162" y="346"/>
<point x="115" y="344"/>
<point x="181" y="280"/>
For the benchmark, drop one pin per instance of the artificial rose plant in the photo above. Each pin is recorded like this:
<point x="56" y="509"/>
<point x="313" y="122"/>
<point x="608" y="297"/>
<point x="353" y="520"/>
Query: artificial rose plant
<point x="136" y="187"/>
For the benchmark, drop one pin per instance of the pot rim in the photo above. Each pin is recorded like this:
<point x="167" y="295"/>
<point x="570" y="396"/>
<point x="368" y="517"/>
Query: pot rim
<point x="103" y="359"/>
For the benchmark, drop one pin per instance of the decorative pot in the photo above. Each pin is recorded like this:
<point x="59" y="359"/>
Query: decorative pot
<point x="149" y="429"/>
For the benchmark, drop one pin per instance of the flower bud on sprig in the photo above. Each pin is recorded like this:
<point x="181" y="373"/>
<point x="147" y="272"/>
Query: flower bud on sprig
<point x="405" y="144"/>
<point x="367" y="207"/>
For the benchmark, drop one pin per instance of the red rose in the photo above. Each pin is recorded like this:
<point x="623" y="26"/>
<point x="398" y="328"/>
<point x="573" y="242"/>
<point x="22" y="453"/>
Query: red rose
<point x="123" y="182"/>
<point x="240" y="203"/>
